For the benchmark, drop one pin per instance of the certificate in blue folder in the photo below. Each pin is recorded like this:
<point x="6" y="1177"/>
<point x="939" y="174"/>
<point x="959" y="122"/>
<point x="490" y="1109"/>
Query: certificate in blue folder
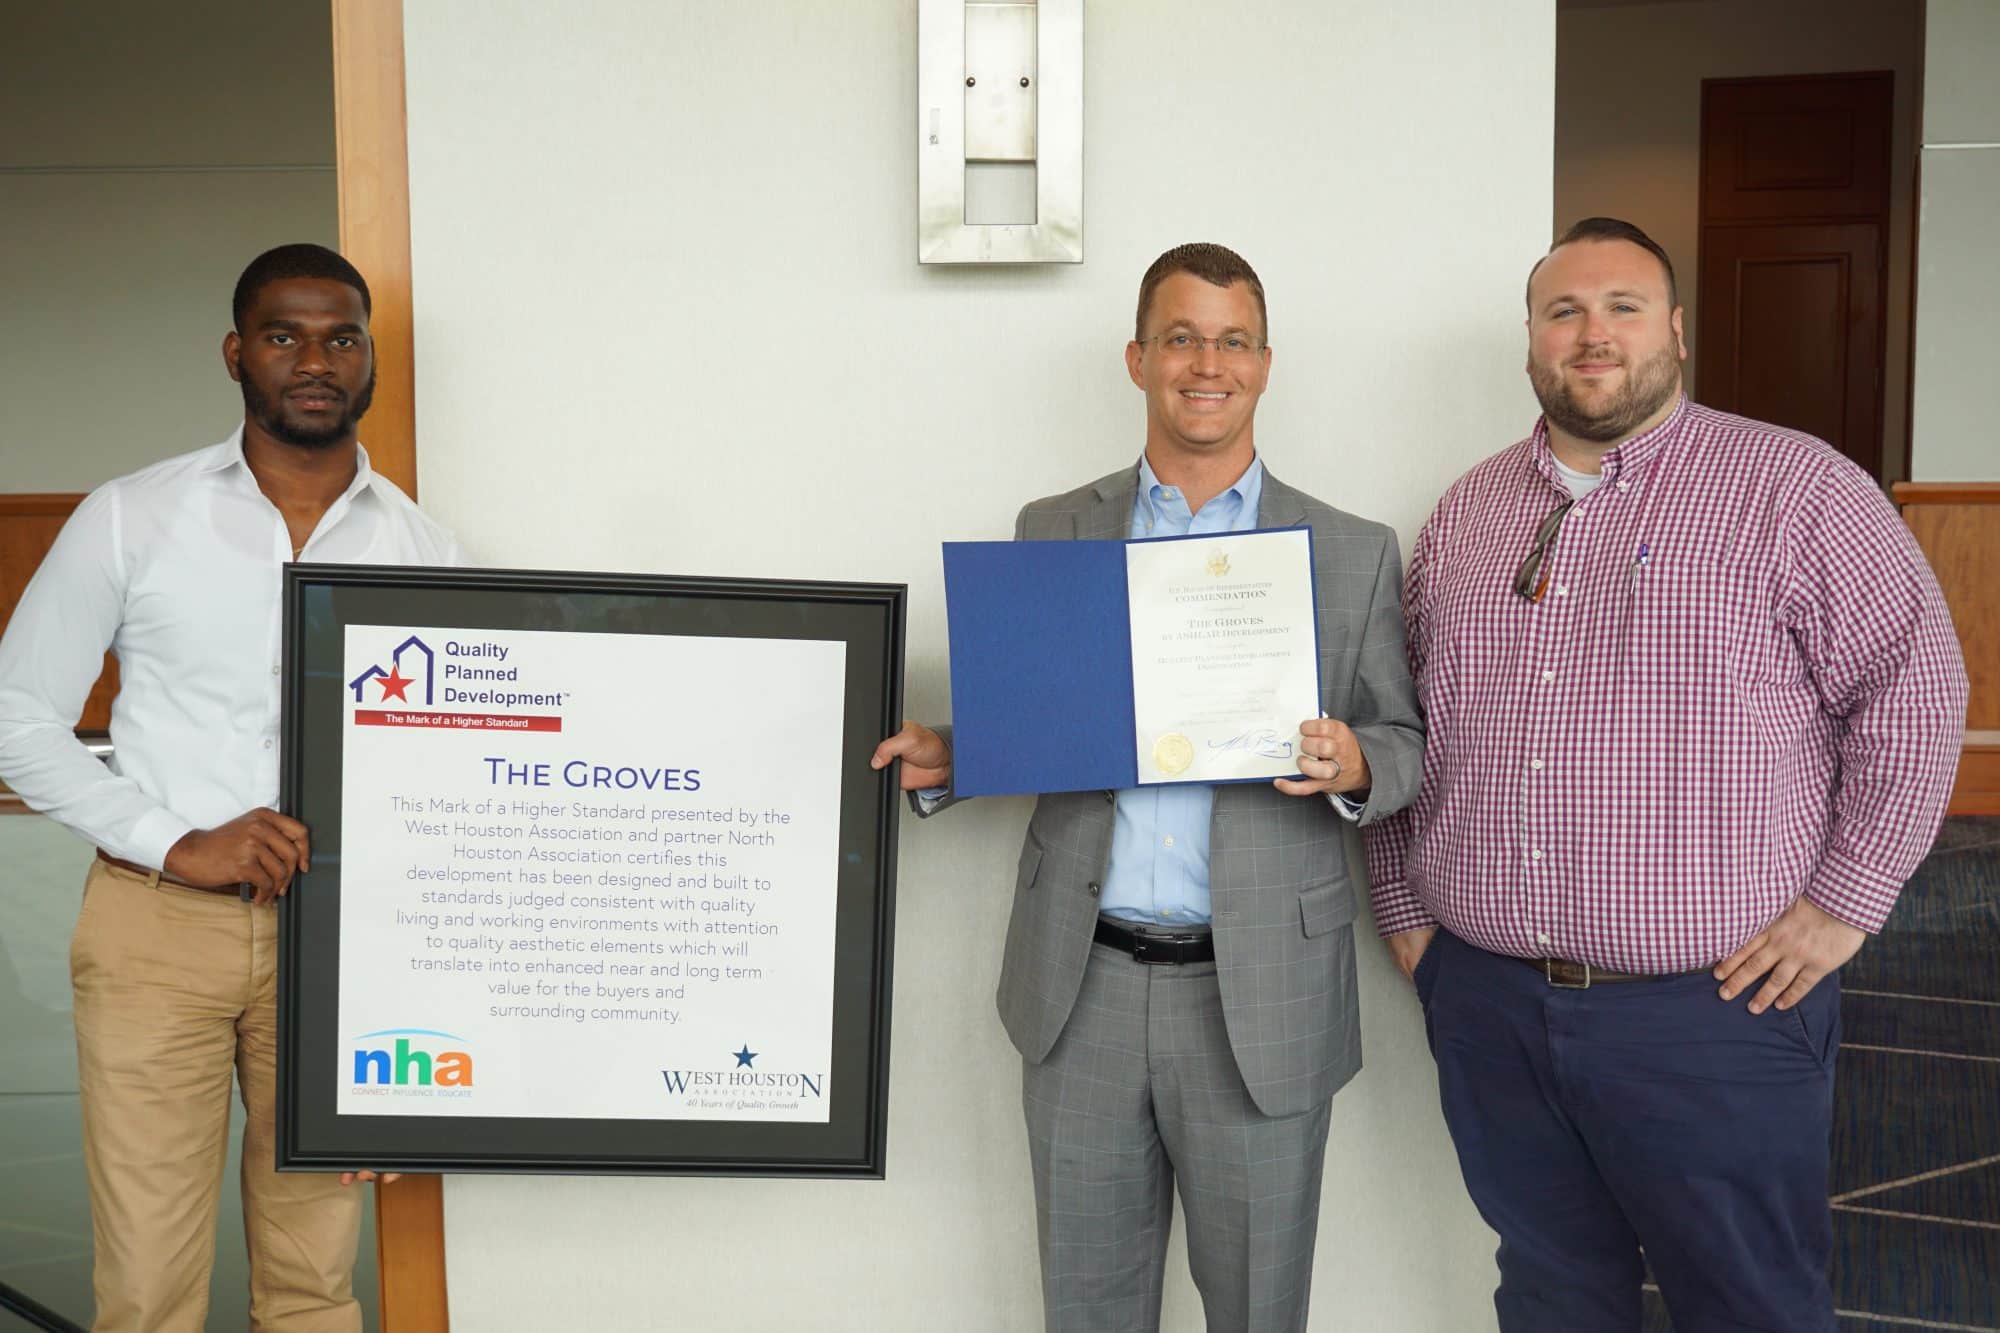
<point x="1086" y="665"/>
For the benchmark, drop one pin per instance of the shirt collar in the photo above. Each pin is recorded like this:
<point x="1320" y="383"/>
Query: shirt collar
<point x="1629" y="457"/>
<point x="229" y="454"/>
<point x="1248" y="488"/>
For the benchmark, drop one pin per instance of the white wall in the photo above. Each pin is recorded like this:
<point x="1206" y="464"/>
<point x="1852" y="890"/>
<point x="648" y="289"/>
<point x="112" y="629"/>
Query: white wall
<point x="669" y="318"/>
<point x="147" y="153"/>
<point x="1958" y="274"/>
<point x="1628" y="126"/>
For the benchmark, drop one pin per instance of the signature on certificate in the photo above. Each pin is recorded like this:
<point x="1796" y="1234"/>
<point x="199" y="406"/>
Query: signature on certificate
<point x="1264" y="743"/>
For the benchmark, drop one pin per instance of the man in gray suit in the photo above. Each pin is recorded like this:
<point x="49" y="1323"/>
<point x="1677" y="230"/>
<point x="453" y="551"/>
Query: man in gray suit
<point x="1179" y="967"/>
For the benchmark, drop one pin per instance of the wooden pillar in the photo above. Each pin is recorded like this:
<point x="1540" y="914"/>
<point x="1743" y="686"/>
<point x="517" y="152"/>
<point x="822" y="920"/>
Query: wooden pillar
<point x="372" y="156"/>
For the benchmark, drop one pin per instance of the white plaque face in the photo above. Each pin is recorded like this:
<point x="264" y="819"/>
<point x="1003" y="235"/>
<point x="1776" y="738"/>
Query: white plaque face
<point x="564" y="895"/>
<point x="1224" y="662"/>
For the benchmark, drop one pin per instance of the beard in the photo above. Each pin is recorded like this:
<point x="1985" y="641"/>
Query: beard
<point x="1649" y="384"/>
<point x="271" y="417"/>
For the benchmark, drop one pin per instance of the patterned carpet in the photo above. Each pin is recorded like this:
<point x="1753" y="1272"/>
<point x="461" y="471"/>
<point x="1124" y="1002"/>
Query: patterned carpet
<point x="1916" y="1135"/>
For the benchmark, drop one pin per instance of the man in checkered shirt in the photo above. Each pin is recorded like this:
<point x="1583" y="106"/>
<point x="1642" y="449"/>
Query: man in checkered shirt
<point x="1694" y="706"/>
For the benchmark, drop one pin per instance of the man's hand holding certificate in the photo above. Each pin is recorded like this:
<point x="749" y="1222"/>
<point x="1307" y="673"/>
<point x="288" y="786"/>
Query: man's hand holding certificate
<point x="1114" y="664"/>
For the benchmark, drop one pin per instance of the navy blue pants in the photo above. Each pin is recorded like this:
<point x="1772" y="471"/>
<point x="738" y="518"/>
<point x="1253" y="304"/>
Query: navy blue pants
<point x="1638" y="1116"/>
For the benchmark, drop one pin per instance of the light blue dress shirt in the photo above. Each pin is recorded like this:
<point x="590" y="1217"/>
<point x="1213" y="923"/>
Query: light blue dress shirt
<point x="1159" y="845"/>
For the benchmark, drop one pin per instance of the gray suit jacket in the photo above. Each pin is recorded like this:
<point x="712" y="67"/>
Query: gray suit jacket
<point x="1281" y="893"/>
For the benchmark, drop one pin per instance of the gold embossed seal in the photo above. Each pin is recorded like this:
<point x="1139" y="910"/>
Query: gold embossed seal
<point x="1172" y="754"/>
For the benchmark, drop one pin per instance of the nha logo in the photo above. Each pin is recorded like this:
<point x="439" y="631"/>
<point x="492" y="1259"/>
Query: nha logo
<point x="405" y="1064"/>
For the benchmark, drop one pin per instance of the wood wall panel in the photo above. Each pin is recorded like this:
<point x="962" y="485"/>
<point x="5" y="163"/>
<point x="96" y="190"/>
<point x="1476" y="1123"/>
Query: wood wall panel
<point x="371" y="155"/>
<point x="1978" y="789"/>
<point x="28" y="528"/>
<point x="1958" y="526"/>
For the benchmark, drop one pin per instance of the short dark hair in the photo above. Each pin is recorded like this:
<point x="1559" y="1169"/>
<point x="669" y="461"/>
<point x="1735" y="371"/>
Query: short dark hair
<point x="1609" y="229"/>
<point x="1216" y="264"/>
<point x="303" y="260"/>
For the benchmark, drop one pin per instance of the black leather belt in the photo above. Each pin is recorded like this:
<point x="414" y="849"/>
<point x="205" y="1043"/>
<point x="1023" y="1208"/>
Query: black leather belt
<point x="1151" y="946"/>
<point x="1565" y="975"/>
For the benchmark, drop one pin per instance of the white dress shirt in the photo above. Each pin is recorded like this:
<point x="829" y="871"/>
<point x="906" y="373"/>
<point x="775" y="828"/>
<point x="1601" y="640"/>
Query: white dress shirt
<point x="178" y="569"/>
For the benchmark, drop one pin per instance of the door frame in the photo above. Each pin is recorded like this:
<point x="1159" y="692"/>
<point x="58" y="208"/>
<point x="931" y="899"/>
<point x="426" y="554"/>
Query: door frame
<point x="371" y="161"/>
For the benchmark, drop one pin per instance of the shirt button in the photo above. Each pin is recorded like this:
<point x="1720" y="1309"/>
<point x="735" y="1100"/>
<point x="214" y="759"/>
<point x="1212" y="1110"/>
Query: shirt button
<point x="1535" y="764"/>
<point x="1623" y="486"/>
<point x="1535" y="855"/>
<point x="1548" y="676"/>
<point x="267" y="745"/>
<point x="1542" y="938"/>
<point x="277" y="670"/>
<point x="1169" y="840"/>
<point x="1562" y="590"/>
<point x="1095" y="887"/>
<point x="1166" y="911"/>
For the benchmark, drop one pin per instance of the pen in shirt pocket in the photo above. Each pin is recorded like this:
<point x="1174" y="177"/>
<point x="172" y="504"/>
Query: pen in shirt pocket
<point x="1643" y="558"/>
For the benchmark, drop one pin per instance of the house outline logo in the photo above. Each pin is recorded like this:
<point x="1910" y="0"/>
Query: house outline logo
<point x="395" y="674"/>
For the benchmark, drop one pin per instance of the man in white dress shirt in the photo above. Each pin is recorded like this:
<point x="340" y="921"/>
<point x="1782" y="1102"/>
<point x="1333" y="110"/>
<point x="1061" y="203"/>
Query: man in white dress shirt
<point x="176" y="569"/>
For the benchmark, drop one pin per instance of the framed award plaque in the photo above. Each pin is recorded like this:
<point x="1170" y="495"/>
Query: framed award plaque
<point x="601" y="879"/>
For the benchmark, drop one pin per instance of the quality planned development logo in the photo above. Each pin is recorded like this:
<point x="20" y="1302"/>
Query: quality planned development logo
<point x="393" y="684"/>
<point x="426" y="683"/>
<point x="411" y="1062"/>
<point x="742" y="1086"/>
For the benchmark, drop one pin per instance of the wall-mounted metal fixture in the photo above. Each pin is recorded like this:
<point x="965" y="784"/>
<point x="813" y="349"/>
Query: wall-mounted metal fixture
<point x="999" y="132"/>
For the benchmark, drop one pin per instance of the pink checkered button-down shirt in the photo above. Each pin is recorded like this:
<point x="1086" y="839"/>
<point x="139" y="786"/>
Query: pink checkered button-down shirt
<point x="1741" y="685"/>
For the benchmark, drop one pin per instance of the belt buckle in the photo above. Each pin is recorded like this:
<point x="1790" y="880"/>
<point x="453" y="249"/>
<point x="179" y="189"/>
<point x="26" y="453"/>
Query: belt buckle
<point x="1159" y="950"/>
<point x="1549" y="975"/>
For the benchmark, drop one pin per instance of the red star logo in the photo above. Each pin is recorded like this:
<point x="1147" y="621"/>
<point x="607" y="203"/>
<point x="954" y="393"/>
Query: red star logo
<point x="394" y="684"/>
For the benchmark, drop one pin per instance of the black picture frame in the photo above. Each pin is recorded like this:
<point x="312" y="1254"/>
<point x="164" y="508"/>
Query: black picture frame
<point x="319" y="602"/>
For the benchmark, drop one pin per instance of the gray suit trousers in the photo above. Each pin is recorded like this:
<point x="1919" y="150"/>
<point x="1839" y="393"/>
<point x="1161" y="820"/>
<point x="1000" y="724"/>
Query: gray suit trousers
<point x="1142" y="1091"/>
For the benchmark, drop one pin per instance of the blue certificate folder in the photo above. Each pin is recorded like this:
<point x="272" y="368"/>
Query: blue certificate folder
<point x="1041" y="666"/>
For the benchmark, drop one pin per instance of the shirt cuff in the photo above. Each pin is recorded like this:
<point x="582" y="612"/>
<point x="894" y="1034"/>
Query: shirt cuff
<point x="155" y="836"/>
<point x="1398" y="910"/>
<point x="1860" y="895"/>
<point x="928" y="798"/>
<point x="1347" y="808"/>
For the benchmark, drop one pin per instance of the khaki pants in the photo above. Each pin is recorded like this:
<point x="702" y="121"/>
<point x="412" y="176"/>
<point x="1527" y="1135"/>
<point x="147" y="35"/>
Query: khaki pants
<point x="174" y="988"/>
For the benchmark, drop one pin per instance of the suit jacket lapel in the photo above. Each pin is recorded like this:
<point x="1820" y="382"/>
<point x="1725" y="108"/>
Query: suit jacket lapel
<point x="1281" y="507"/>
<point x="1110" y="518"/>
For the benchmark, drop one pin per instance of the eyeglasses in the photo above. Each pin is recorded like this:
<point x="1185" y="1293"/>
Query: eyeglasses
<point x="1531" y="580"/>
<point x="1179" y="342"/>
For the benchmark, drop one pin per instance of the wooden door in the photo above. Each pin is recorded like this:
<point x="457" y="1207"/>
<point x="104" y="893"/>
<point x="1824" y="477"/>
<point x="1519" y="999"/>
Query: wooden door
<point x="1803" y="343"/>
<point x="1793" y="266"/>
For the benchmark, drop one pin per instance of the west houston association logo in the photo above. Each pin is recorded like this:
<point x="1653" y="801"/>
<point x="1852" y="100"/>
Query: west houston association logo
<point x="742" y="1086"/>
<point x="410" y="1060"/>
<point x="393" y="683"/>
